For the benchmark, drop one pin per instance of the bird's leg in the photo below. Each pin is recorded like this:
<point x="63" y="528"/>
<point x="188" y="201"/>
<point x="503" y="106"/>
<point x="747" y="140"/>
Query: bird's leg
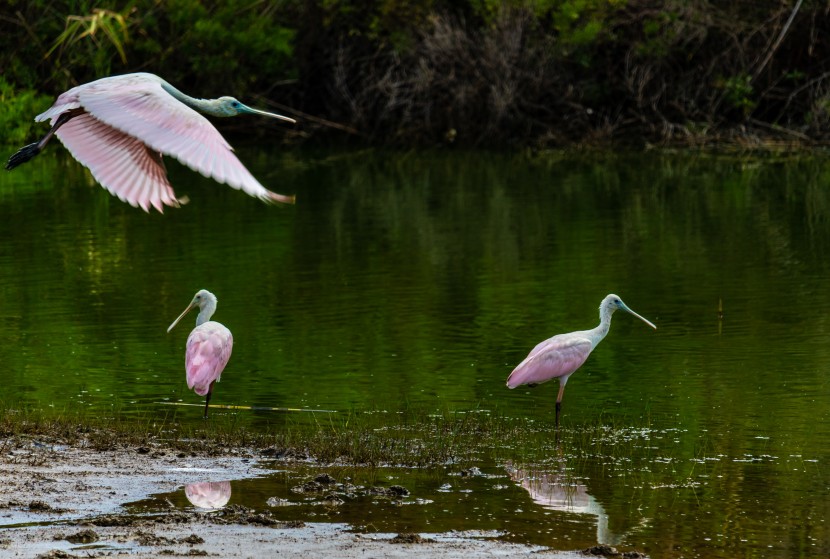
<point x="207" y="398"/>
<point x="559" y="401"/>
<point x="207" y="401"/>
<point x="26" y="153"/>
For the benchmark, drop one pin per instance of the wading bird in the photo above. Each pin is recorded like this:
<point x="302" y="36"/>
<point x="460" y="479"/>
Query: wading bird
<point x="209" y="347"/>
<point x="120" y="127"/>
<point x="560" y="356"/>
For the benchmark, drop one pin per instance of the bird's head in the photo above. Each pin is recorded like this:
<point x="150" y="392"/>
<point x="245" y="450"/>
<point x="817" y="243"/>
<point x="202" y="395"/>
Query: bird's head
<point x="229" y="106"/>
<point x="205" y="300"/>
<point x="612" y="303"/>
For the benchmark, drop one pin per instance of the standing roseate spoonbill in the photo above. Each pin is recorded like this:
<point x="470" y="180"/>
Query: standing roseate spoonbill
<point x="560" y="356"/>
<point x="209" y="347"/>
<point x="120" y="127"/>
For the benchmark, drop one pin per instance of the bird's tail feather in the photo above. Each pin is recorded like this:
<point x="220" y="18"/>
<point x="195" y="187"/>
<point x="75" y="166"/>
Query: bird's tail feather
<point x="280" y="198"/>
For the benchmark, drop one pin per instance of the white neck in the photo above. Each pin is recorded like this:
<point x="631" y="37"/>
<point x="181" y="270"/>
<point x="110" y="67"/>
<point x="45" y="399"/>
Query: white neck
<point x="205" y="312"/>
<point x="207" y="106"/>
<point x="597" y="334"/>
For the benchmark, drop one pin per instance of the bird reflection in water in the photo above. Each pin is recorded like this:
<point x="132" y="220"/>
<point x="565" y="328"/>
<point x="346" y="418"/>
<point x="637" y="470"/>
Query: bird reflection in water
<point x="210" y="495"/>
<point x="555" y="491"/>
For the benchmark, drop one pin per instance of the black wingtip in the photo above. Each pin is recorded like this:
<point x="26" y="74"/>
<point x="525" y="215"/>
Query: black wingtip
<point x="23" y="155"/>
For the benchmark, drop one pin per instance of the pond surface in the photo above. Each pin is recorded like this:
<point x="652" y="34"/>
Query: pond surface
<point x="419" y="280"/>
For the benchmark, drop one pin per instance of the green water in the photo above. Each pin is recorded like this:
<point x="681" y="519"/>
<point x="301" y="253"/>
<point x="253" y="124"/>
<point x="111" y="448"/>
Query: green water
<point x="418" y="280"/>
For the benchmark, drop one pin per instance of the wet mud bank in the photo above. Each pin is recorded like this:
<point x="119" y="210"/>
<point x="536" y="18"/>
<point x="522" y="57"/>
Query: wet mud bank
<point x="64" y="501"/>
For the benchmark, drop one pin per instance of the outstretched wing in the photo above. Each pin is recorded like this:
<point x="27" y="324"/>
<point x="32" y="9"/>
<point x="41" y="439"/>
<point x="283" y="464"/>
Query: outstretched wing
<point x="121" y="163"/>
<point x="557" y="357"/>
<point x="138" y="107"/>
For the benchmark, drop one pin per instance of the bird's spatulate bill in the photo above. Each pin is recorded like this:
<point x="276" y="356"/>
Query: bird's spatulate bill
<point x="181" y="316"/>
<point x="272" y="115"/>
<point x="640" y="317"/>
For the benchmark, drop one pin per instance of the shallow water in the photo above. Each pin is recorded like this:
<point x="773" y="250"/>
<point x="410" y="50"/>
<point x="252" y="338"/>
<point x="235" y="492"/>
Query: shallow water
<point x="418" y="280"/>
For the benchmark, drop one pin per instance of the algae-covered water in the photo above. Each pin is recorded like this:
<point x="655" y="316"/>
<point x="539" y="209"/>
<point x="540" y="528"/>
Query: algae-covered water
<point x="418" y="280"/>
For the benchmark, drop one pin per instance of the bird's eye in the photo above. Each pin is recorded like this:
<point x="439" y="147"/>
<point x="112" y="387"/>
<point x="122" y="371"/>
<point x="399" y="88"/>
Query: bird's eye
<point x="235" y="103"/>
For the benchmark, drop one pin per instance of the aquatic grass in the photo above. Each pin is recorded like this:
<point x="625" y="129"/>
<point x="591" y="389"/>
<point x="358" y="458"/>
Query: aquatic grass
<point x="411" y="438"/>
<point x="627" y="449"/>
<point x="76" y="426"/>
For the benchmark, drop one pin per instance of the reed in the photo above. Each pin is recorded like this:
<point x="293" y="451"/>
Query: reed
<point x="411" y="438"/>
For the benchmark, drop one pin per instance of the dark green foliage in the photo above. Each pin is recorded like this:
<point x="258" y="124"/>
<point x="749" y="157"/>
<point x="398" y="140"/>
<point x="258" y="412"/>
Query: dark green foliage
<point x="17" y="110"/>
<point x="474" y="72"/>
<point x="218" y="48"/>
<point x="208" y="48"/>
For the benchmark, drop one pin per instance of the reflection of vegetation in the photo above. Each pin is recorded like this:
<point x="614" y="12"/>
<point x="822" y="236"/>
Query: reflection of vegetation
<point x="406" y="281"/>
<point x="411" y="267"/>
<point x="667" y="487"/>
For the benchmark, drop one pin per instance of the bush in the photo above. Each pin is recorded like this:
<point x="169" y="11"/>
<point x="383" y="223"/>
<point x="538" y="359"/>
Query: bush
<point x="475" y="72"/>
<point x="17" y="112"/>
<point x="209" y="48"/>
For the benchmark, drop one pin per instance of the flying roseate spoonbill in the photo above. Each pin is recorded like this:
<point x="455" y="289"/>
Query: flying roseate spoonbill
<point x="120" y="127"/>
<point x="560" y="356"/>
<point x="209" y="347"/>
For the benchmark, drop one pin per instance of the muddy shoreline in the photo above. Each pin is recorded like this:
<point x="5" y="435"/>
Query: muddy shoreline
<point x="66" y="501"/>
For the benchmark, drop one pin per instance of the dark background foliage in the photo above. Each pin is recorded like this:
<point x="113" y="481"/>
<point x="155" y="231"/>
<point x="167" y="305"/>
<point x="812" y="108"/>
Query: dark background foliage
<point x="469" y="72"/>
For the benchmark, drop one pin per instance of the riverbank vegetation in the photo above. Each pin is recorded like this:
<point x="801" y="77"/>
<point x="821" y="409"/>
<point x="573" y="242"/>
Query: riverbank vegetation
<point x="495" y="73"/>
<point x="411" y="438"/>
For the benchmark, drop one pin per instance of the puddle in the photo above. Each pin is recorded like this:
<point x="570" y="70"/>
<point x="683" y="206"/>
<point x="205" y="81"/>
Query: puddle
<point x="489" y="502"/>
<point x="634" y="490"/>
<point x="631" y="489"/>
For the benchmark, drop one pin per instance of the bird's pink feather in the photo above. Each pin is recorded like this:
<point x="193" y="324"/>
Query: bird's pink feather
<point x="141" y="108"/>
<point x="556" y="357"/>
<point x="66" y="101"/>
<point x="136" y="107"/>
<point x="209" y="348"/>
<point x="122" y="164"/>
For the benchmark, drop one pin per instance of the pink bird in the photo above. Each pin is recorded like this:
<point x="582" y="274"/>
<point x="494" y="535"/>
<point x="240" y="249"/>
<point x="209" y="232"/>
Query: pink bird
<point x="120" y="127"/>
<point x="209" y="347"/>
<point x="560" y="356"/>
